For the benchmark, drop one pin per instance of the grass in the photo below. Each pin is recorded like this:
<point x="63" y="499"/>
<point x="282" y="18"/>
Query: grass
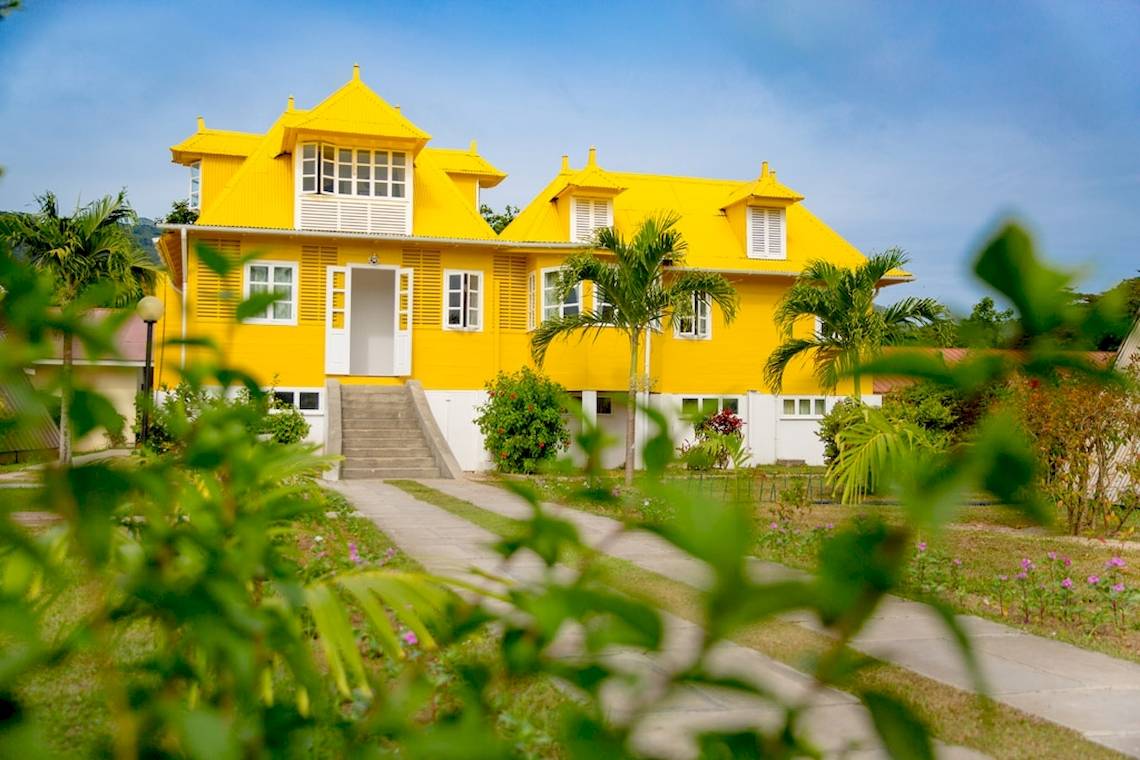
<point x="69" y="708"/>
<point x="990" y="541"/>
<point x="953" y="715"/>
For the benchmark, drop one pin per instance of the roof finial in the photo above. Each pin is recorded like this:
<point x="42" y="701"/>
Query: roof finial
<point x="289" y="104"/>
<point x="763" y="170"/>
<point x="474" y="149"/>
<point x="356" y="72"/>
<point x="565" y="162"/>
<point x="201" y="123"/>
<point x="397" y="107"/>
<point x="592" y="156"/>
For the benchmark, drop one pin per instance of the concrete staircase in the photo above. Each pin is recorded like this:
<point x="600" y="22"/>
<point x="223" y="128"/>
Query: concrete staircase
<point x="382" y="436"/>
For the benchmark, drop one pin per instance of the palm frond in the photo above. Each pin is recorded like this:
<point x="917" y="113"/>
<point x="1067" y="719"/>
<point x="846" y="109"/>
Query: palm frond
<point x="782" y="356"/>
<point x="873" y="451"/>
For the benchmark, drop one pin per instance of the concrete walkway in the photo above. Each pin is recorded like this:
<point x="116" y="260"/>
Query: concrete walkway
<point x="1092" y="693"/>
<point x="446" y="544"/>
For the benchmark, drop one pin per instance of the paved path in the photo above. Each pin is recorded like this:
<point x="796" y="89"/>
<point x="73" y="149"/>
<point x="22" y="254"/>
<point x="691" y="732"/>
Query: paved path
<point x="444" y="543"/>
<point x="1092" y="693"/>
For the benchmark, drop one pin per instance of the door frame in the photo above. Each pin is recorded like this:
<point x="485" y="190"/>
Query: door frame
<point x="395" y="270"/>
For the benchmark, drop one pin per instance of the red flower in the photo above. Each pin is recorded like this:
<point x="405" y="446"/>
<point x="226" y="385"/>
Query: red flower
<point x="541" y="445"/>
<point x="1034" y="383"/>
<point x="514" y="396"/>
<point x="491" y="394"/>
<point x="502" y="430"/>
<point x="503" y="455"/>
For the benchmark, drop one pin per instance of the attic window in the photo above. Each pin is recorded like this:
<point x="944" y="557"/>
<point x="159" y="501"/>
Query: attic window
<point x="195" y="185"/>
<point x="587" y="215"/>
<point x="332" y="170"/>
<point x="767" y="233"/>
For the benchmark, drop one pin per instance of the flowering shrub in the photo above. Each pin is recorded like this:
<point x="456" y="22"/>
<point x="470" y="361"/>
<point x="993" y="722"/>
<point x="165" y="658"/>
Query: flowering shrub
<point x="720" y="442"/>
<point x="724" y="422"/>
<point x="522" y="422"/>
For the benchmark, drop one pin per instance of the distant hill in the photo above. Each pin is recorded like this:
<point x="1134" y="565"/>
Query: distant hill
<point x="144" y="234"/>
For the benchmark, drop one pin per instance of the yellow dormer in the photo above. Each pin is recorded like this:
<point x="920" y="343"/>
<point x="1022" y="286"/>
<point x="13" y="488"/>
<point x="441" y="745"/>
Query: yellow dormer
<point x="758" y="214"/>
<point x="585" y="198"/>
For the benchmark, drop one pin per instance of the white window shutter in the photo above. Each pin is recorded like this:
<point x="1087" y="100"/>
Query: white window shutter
<point x="758" y="237"/>
<point x="603" y="215"/>
<point x="531" y="301"/>
<point x="582" y="221"/>
<point x="775" y="233"/>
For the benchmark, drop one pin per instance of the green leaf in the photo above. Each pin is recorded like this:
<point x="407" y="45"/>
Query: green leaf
<point x="1009" y="264"/>
<point x="255" y="305"/>
<point x="962" y="639"/>
<point x="904" y="736"/>
<point x="1005" y="465"/>
<point x="91" y="411"/>
<point x="215" y="261"/>
<point x="207" y="735"/>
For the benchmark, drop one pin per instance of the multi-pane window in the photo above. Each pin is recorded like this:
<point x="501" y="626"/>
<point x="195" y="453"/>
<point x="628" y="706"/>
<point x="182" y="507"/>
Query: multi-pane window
<point x="332" y="170"/>
<point x="697" y="323"/>
<point x="304" y="401"/>
<point x="804" y="407"/>
<point x="464" y="300"/>
<point x="279" y="279"/>
<point x="195" y="185"/>
<point x="551" y="306"/>
<point x="706" y="406"/>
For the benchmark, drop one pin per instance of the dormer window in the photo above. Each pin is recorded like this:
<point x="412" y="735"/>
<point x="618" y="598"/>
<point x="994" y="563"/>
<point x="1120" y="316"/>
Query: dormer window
<point x="587" y="216"/>
<point x="767" y="233"/>
<point x="195" y="185"/>
<point x="332" y="170"/>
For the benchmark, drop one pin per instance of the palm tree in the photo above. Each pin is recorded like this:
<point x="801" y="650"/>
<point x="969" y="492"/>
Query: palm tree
<point x="849" y="329"/>
<point x="91" y="247"/>
<point x="637" y="293"/>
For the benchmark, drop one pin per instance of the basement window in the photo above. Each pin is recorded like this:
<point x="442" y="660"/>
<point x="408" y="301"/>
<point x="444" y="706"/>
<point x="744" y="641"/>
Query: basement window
<point x="303" y="400"/>
<point x="804" y="408"/>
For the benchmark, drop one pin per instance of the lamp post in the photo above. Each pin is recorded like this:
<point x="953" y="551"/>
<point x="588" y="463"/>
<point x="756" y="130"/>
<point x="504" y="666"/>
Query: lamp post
<point x="150" y="311"/>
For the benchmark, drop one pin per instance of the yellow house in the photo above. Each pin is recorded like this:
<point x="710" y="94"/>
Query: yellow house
<point x="397" y="297"/>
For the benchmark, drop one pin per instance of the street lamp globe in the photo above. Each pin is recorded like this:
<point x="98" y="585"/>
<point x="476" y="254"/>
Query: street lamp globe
<point x="150" y="309"/>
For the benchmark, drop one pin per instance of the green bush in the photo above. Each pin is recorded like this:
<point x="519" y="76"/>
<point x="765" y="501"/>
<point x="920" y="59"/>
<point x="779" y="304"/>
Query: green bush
<point x="283" y="422"/>
<point x="845" y="413"/>
<point x="522" y="421"/>
<point x="263" y="415"/>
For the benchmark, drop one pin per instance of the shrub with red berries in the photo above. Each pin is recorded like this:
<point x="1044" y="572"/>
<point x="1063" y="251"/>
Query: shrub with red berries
<point x="522" y="420"/>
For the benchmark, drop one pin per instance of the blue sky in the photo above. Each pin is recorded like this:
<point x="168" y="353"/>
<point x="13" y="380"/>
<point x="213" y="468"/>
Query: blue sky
<point x="909" y="124"/>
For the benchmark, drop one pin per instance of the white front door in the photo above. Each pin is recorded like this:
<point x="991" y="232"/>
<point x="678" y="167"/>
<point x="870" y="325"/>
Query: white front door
<point x="402" y="361"/>
<point x="338" y="315"/>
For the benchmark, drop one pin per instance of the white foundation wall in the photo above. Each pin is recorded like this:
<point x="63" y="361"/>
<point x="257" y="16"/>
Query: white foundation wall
<point x="770" y="435"/>
<point x="455" y="413"/>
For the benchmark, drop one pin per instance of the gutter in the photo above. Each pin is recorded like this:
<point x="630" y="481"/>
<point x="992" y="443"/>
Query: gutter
<point x="320" y="234"/>
<point x="185" y="291"/>
<point x="774" y="273"/>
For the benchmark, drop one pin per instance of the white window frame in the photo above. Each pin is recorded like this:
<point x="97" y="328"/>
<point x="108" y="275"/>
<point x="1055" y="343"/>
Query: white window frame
<point x="294" y="287"/>
<point x="326" y="172"/>
<point x="702" y="310"/>
<point x="600" y="303"/>
<point x="296" y="393"/>
<point x="814" y="404"/>
<point x="700" y="401"/>
<point x="561" y="306"/>
<point x="195" y="192"/>
<point x="767" y="253"/>
<point x="465" y="307"/>
<point x="597" y="222"/>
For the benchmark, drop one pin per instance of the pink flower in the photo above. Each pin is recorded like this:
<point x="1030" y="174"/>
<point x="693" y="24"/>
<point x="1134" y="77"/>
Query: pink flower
<point x="774" y="526"/>
<point x="1022" y="576"/>
<point x="1052" y="556"/>
<point x="1067" y="562"/>
<point x="922" y="546"/>
<point x="1026" y="563"/>
<point x="354" y="555"/>
<point x="410" y="639"/>
<point x="956" y="562"/>
<point x="1118" y="588"/>
<point x="1003" y="578"/>
<point x="1094" y="579"/>
<point x="1067" y="583"/>
<point x="1115" y="562"/>
<point x="829" y="526"/>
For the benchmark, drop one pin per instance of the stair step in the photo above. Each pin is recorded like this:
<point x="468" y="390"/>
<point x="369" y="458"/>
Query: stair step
<point x="383" y="437"/>
<point x="353" y="449"/>
<point x="412" y="461"/>
<point x="386" y="473"/>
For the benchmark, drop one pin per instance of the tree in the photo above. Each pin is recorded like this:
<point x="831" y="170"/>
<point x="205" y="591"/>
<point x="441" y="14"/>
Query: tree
<point x="850" y="330"/>
<point x="499" y="221"/>
<point x="92" y="247"/>
<point x="637" y="292"/>
<point x="986" y="327"/>
<point x="180" y="213"/>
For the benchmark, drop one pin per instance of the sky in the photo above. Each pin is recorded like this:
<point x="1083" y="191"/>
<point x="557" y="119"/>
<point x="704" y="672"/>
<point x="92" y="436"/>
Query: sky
<point x="913" y="124"/>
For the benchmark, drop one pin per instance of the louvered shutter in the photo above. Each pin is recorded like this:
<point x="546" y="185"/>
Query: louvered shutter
<point x="583" y="219"/>
<point x="515" y="292"/>
<point x="216" y="297"/>
<point x="428" y="301"/>
<point x="603" y="215"/>
<point x="314" y="261"/>
<point x="766" y="233"/>
<point x="531" y="300"/>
